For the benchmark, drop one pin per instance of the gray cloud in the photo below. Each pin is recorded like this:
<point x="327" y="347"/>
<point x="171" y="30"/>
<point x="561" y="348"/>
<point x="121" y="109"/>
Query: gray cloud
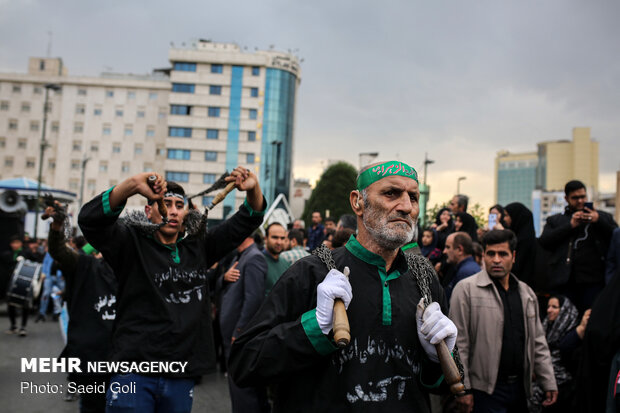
<point x="459" y="80"/>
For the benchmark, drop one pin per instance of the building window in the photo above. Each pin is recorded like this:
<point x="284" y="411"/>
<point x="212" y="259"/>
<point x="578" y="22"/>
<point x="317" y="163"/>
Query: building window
<point x="30" y="163"/>
<point x="21" y="143"/>
<point x="253" y="113"/>
<point x="55" y="127"/>
<point x="8" y="161"/>
<point x="137" y="149"/>
<point x="97" y="112"/>
<point x="109" y="93"/>
<point x="208" y="178"/>
<point x="51" y="164"/>
<point x="251" y="136"/>
<point x="34" y="126"/>
<point x="2" y="142"/>
<point x="125" y="167"/>
<point x="147" y="167"/>
<point x="91" y="185"/>
<point x="119" y="113"/>
<point x="116" y="148"/>
<point x="210" y="156"/>
<point x="81" y="92"/>
<point x="17" y="88"/>
<point x="131" y="95"/>
<point x="177" y="132"/>
<point x="128" y="130"/>
<point x="255" y="71"/>
<point x="4" y="105"/>
<point x="41" y="64"/>
<point x="183" y="87"/>
<point x="73" y="184"/>
<point x="213" y="112"/>
<point x="215" y="68"/>
<point x="185" y="66"/>
<point x="152" y="95"/>
<point x="107" y="130"/>
<point x="75" y="164"/>
<point x="179" y="154"/>
<point x="94" y="147"/>
<point x="77" y="146"/>
<point x="140" y="114"/>
<point x="150" y="132"/>
<point x="254" y="92"/>
<point x="37" y="90"/>
<point x="26" y="107"/>
<point x="180" y="109"/>
<point x="215" y="90"/>
<point x="250" y="158"/>
<point x="12" y="124"/>
<point x="177" y="176"/>
<point x="161" y="114"/>
<point x="78" y="127"/>
<point x="213" y="133"/>
<point x="103" y="166"/>
<point x="206" y="200"/>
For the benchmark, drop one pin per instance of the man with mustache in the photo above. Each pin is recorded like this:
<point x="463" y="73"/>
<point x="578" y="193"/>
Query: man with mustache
<point x="501" y="340"/>
<point x="390" y="363"/>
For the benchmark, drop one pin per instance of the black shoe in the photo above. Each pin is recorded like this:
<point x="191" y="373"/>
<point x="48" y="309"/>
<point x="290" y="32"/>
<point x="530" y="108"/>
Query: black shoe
<point x="40" y="317"/>
<point x="55" y="317"/>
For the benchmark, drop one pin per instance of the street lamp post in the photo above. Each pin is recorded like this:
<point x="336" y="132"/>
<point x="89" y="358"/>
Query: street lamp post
<point x="424" y="191"/>
<point x="42" y="148"/>
<point x="458" y="184"/>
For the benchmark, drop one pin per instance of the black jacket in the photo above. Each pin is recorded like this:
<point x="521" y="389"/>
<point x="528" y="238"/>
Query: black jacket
<point x="384" y="368"/>
<point x="163" y="308"/>
<point x="558" y="238"/>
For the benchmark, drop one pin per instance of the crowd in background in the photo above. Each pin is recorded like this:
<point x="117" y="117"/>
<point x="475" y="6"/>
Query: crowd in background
<point x="568" y="267"/>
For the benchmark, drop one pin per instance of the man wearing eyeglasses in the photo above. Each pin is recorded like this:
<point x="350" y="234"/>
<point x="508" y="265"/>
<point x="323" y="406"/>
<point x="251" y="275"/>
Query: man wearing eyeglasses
<point x="578" y="240"/>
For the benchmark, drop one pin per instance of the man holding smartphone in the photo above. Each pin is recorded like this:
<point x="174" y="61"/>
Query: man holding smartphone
<point x="578" y="240"/>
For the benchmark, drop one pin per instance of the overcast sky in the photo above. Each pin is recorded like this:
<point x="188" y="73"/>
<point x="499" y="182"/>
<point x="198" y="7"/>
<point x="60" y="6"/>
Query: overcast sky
<point x="457" y="79"/>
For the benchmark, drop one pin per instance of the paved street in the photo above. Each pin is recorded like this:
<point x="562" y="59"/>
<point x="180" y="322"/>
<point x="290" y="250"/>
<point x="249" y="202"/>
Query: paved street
<point x="44" y="340"/>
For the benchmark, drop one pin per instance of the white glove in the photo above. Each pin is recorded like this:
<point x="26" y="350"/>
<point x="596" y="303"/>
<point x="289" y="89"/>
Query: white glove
<point x="434" y="326"/>
<point x="335" y="285"/>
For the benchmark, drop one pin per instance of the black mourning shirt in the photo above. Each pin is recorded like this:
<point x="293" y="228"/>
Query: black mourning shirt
<point x="513" y="338"/>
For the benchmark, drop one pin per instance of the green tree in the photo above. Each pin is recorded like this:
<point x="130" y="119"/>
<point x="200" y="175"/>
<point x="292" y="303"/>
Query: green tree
<point x="332" y="192"/>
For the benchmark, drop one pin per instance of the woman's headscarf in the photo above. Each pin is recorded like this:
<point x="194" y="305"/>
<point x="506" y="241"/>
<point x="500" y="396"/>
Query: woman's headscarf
<point x="522" y="224"/>
<point x="443" y="234"/>
<point x="469" y="225"/>
<point x="556" y="330"/>
<point x="427" y="249"/>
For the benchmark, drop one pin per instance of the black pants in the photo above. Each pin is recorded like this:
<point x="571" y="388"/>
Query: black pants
<point x="508" y="397"/>
<point x="13" y="315"/>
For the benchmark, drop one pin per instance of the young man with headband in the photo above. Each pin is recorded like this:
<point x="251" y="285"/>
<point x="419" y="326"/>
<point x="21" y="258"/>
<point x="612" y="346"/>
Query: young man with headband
<point x="390" y="362"/>
<point x="163" y="308"/>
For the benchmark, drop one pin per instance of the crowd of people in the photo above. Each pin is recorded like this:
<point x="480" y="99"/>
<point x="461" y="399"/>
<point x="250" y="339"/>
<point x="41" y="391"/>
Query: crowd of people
<point x="532" y="322"/>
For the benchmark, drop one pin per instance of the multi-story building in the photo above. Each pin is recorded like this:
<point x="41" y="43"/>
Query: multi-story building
<point x="216" y="107"/>
<point x="515" y="177"/>
<point x="228" y="108"/>
<point x="107" y="128"/>
<point x="548" y="169"/>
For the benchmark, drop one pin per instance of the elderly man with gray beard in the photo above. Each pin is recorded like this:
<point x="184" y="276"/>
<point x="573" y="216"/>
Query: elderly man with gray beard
<point x="390" y="363"/>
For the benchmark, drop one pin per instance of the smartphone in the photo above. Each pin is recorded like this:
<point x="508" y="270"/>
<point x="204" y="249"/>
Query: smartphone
<point x="492" y="221"/>
<point x="589" y="205"/>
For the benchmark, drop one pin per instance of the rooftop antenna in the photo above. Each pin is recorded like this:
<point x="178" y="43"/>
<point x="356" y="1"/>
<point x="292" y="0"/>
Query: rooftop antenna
<point x="49" y="43"/>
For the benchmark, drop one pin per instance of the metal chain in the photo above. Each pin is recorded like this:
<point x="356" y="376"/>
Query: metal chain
<point x="325" y="255"/>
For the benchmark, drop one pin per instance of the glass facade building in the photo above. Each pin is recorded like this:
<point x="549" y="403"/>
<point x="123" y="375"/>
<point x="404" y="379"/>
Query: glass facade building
<point x="278" y="122"/>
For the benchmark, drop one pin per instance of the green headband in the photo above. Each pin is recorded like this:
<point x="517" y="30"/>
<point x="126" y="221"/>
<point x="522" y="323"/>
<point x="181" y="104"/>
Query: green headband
<point x="380" y="171"/>
<point x="89" y="249"/>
